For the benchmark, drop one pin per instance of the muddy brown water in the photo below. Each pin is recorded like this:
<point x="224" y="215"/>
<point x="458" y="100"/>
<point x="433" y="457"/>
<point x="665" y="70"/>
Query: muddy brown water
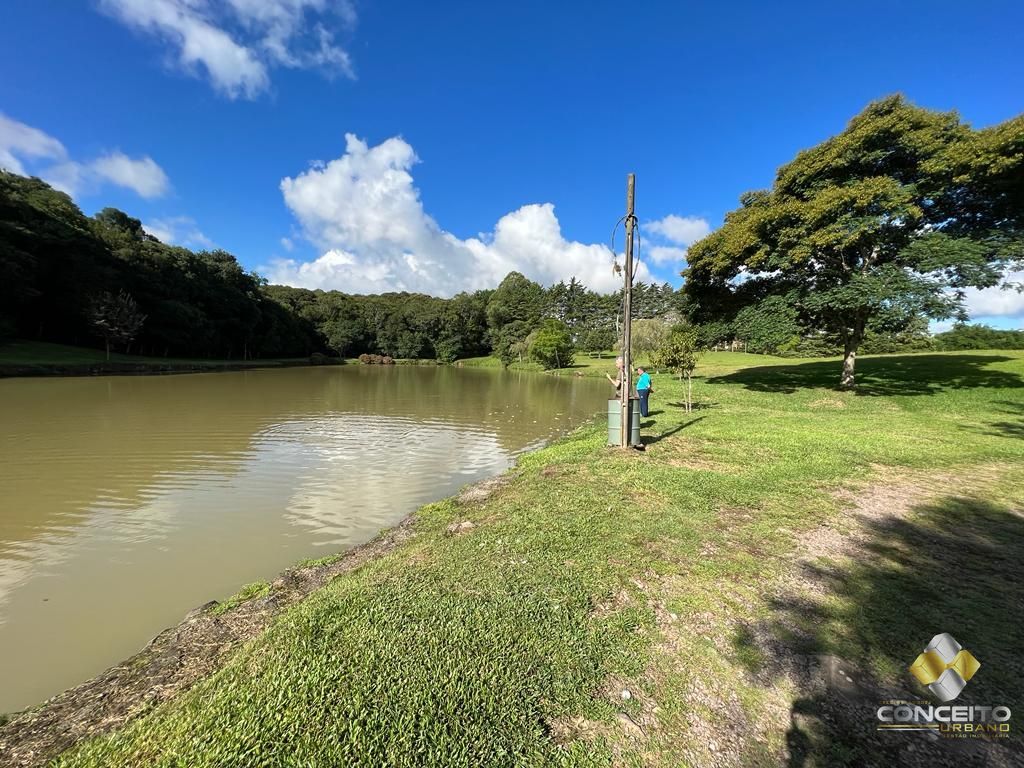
<point x="127" y="501"/>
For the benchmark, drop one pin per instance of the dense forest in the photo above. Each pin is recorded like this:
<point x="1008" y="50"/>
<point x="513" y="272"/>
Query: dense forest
<point x="66" y="277"/>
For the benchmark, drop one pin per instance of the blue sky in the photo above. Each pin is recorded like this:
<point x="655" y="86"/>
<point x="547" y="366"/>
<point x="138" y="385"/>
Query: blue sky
<point x="431" y="146"/>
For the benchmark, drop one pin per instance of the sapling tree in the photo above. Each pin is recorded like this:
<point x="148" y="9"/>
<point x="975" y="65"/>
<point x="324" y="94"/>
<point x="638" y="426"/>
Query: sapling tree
<point x="679" y="353"/>
<point x="116" y="318"/>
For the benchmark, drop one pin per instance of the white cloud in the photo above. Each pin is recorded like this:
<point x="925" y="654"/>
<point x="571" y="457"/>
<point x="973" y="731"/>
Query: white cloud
<point x="666" y="254"/>
<point x="178" y="230"/>
<point x="996" y="302"/>
<point x="287" y="244"/>
<point x="672" y="235"/>
<point x="69" y="176"/>
<point x="22" y="147"/>
<point x="237" y="41"/>
<point x="681" y="230"/>
<point x="364" y="212"/>
<point x="18" y="139"/>
<point x="143" y="176"/>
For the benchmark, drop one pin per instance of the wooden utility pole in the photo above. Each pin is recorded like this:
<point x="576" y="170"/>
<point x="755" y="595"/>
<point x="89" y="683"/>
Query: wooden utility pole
<point x="626" y="385"/>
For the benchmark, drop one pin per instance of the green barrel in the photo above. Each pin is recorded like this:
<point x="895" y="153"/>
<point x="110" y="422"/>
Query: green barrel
<point x="615" y="419"/>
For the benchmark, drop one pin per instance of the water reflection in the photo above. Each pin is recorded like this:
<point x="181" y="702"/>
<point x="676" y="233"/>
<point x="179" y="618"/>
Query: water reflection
<point x="128" y="501"/>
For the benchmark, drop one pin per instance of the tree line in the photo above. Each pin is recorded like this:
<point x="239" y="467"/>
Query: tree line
<point x="104" y="281"/>
<point x="858" y="244"/>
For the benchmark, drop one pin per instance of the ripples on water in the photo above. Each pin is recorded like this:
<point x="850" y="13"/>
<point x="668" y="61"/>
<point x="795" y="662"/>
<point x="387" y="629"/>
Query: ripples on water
<point x="129" y="501"/>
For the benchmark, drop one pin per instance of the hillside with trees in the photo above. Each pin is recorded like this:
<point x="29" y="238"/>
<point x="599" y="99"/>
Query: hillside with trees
<point x="860" y="242"/>
<point x="103" y="281"/>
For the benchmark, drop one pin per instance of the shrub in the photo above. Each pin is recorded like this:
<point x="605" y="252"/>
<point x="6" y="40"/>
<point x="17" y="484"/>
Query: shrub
<point x="551" y="345"/>
<point x="366" y="359"/>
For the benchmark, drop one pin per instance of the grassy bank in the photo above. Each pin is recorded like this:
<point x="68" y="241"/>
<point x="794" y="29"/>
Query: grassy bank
<point x="39" y="358"/>
<point x="703" y="602"/>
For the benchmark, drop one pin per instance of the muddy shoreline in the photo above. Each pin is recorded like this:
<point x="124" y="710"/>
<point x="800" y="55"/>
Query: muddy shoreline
<point x="183" y="655"/>
<point x="174" y="661"/>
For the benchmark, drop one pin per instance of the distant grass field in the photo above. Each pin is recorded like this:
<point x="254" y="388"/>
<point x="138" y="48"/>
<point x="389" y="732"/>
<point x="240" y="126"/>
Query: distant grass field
<point x="43" y="354"/>
<point x="780" y="540"/>
<point x="588" y="365"/>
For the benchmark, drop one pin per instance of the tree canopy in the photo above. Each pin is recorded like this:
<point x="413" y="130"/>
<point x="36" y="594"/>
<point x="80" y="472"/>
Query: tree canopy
<point x="551" y="345"/>
<point x="895" y="216"/>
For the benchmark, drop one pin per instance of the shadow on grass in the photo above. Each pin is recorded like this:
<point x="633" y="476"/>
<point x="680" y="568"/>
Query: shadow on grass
<point x="693" y="406"/>
<point x="847" y="640"/>
<point x="879" y="376"/>
<point x="651" y="439"/>
<point x="1013" y="427"/>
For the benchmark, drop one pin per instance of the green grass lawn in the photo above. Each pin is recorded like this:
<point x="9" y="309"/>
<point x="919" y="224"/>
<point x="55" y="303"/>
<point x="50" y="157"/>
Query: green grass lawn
<point x="489" y="361"/>
<point x="780" y="528"/>
<point x="586" y="365"/>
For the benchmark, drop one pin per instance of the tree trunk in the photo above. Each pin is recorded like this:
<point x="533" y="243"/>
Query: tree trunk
<point x="851" y="343"/>
<point x="107" y="343"/>
<point x="846" y="381"/>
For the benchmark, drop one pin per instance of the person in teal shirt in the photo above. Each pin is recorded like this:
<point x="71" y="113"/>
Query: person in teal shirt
<point x="643" y="389"/>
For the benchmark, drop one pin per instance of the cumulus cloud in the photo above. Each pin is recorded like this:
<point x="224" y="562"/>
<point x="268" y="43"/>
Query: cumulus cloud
<point x="665" y="254"/>
<point x="672" y="235"/>
<point x="18" y="139"/>
<point x="143" y="176"/>
<point x="363" y="211"/>
<point x="27" y="150"/>
<point x="234" y="43"/>
<point x="996" y="302"/>
<point x="681" y="230"/>
<point x="178" y="230"/>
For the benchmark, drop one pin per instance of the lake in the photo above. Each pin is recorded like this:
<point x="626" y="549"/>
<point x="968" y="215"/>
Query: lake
<point x="127" y="501"/>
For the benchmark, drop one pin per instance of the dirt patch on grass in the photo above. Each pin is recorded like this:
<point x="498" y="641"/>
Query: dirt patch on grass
<point x="171" y="664"/>
<point x="485" y="489"/>
<point x="834" y="699"/>
<point x="685" y="453"/>
<point x="739" y="676"/>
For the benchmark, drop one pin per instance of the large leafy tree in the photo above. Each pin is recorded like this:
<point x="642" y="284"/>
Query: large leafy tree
<point x="514" y="310"/>
<point x="898" y="215"/>
<point x="769" y="326"/>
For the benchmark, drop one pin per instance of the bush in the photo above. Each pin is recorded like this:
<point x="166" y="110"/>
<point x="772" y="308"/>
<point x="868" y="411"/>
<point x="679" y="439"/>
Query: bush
<point x="551" y="345"/>
<point x="679" y="353"/>
<point x="319" y="358"/>
<point x="366" y="359"/>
